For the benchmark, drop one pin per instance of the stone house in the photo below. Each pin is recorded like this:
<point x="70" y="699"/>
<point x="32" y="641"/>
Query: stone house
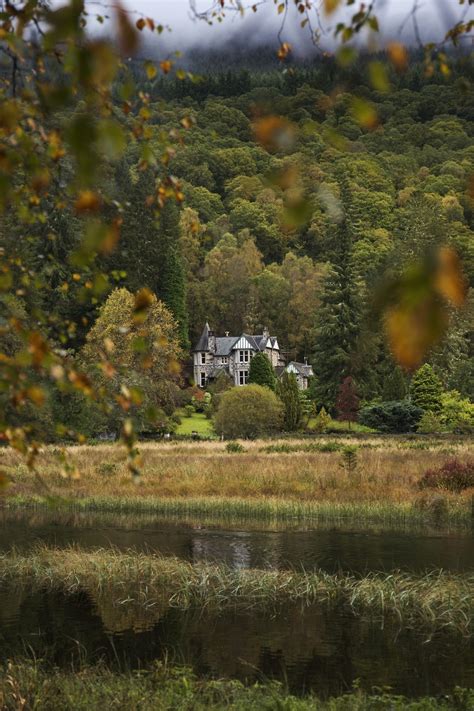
<point x="302" y="371"/>
<point x="232" y="355"/>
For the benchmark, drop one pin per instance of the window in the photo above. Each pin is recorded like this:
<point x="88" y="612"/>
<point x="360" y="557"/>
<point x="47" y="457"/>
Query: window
<point x="203" y="357"/>
<point x="244" y="356"/>
<point x="202" y="380"/>
<point x="224" y="359"/>
<point x="243" y="377"/>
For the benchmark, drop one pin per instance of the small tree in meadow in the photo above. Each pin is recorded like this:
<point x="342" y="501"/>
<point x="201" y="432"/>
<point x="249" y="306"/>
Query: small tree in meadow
<point x="289" y="394"/>
<point x="261" y="371"/>
<point x="426" y="389"/>
<point x="347" y="402"/>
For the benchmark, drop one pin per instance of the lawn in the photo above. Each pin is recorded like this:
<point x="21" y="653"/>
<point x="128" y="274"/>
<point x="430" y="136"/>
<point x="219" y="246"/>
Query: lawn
<point x="198" y="422"/>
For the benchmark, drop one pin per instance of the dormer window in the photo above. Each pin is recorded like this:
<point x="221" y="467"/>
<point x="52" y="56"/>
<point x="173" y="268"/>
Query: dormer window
<point x="244" y="356"/>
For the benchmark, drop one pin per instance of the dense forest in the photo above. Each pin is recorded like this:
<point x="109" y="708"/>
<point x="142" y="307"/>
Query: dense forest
<point x="302" y="193"/>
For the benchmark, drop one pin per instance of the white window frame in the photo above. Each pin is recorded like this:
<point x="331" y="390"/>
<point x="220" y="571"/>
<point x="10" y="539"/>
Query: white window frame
<point x="224" y="359"/>
<point x="243" y="377"/>
<point x="203" y="358"/>
<point x="244" y="356"/>
<point x="202" y="380"/>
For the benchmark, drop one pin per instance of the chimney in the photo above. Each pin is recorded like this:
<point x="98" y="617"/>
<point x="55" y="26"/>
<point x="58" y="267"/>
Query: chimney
<point x="266" y="333"/>
<point x="227" y="333"/>
<point x="306" y="361"/>
<point x="211" y="342"/>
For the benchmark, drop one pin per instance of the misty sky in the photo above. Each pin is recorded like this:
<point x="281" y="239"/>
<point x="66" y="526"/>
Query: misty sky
<point x="433" y="17"/>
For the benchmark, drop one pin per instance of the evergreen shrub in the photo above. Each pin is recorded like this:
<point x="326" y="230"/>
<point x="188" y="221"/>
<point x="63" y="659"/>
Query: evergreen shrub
<point x="391" y="417"/>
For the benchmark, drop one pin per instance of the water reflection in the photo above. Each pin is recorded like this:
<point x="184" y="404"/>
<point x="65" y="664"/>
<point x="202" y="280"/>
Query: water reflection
<point x="323" y="547"/>
<point x="312" y="649"/>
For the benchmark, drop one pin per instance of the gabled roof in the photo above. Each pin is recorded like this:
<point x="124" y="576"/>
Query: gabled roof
<point x="303" y="369"/>
<point x="203" y="343"/>
<point x="225" y="344"/>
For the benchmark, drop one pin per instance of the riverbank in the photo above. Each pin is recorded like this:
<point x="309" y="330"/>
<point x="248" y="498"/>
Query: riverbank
<point x="273" y="480"/>
<point x="27" y="685"/>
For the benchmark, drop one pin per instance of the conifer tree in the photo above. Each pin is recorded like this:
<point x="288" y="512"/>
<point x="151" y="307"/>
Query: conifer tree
<point x="172" y="282"/>
<point x="336" y="325"/>
<point x="261" y="371"/>
<point x="394" y="385"/>
<point x="288" y="392"/>
<point x="426" y="389"/>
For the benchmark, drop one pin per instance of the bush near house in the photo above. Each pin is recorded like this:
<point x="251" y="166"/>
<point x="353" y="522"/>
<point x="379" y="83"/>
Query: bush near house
<point x="248" y="412"/>
<point x="391" y="417"/>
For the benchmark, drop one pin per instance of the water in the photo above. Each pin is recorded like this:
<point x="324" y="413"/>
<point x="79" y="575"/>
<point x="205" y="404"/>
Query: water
<point x="313" y="648"/>
<point x="329" y="548"/>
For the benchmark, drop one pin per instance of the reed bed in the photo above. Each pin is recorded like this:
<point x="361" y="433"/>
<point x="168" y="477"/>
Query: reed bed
<point x="200" y="477"/>
<point x="455" y="512"/>
<point x="26" y="685"/>
<point x="436" y="600"/>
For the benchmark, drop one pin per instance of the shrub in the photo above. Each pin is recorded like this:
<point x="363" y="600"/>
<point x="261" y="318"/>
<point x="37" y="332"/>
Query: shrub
<point x="391" y="417"/>
<point x="430" y="423"/>
<point x="249" y="412"/>
<point x="323" y="420"/>
<point x="457" y="414"/>
<point x="234" y="447"/>
<point x="189" y="410"/>
<point x="453" y="475"/>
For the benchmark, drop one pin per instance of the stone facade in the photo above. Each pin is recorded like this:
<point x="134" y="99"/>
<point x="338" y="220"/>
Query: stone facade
<point x="302" y="371"/>
<point x="232" y="355"/>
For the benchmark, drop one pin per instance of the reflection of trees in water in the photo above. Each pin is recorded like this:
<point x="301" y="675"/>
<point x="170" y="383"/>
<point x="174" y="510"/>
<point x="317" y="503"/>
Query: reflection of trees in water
<point x="309" y="648"/>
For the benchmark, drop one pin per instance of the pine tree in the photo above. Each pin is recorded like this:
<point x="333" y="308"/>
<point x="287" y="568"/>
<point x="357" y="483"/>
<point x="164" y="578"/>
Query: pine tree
<point x="426" y="389"/>
<point x="336" y="325"/>
<point x="261" y="371"/>
<point x="172" y="282"/>
<point x="347" y="403"/>
<point x="394" y="385"/>
<point x="289" y="394"/>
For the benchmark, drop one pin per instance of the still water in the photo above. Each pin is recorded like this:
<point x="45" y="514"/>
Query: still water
<point x="314" y="648"/>
<point x="325" y="547"/>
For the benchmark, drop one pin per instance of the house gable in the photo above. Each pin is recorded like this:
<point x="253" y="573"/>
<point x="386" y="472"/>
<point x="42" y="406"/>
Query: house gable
<point x="243" y="345"/>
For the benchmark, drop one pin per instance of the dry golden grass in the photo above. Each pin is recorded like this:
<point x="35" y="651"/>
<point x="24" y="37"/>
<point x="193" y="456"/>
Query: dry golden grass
<point x="387" y="471"/>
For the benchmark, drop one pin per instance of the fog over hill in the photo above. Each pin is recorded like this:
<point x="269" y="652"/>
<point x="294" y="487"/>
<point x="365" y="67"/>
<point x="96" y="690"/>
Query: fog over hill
<point x="410" y="20"/>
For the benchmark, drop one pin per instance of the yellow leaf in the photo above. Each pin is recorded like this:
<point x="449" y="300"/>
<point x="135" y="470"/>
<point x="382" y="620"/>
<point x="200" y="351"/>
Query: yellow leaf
<point x="87" y="201"/>
<point x="398" y="55"/>
<point x="450" y="280"/>
<point x="165" y="66"/>
<point x="275" y="133"/>
<point x="281" y="8"/>
<point x="413" y="328"/>
<point x="151" y="70"/>
<point x="364" y="113"/>
<point x="331" y="6"/>
<point x="378" y="76"/>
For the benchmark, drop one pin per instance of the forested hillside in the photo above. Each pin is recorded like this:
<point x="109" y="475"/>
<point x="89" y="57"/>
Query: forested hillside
<point x="297" y="203"/>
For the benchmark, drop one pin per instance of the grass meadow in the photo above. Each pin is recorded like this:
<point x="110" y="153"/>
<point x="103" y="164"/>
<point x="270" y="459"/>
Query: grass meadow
<point x="285" y="478"/>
